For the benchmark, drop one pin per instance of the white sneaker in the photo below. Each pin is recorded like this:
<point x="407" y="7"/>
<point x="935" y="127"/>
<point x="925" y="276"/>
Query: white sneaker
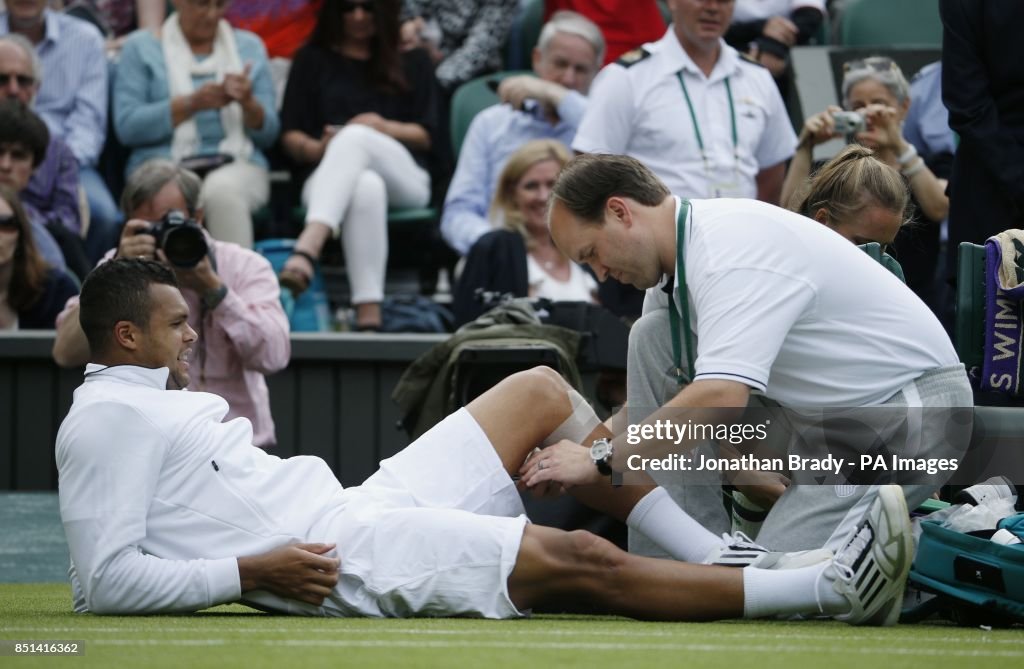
<point x="740" y="551"/>
<point x="870" y="570"/>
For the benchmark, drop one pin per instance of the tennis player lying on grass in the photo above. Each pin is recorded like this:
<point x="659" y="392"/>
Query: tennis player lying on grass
<point x="166" y="508"/>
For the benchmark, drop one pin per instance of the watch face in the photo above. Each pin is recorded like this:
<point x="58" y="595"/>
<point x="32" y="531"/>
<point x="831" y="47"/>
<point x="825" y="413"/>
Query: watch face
<point x="600" y="449"/>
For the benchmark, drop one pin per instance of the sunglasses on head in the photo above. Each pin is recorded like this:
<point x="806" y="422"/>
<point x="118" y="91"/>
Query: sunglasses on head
<point x="24" y="80"/>
<point x="876" y="63"/>
<point x="347" y="7"/>
<point x="8" y="222"/>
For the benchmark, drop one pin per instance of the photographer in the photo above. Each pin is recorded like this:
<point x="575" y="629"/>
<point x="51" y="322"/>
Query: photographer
<point x="232" y="293"/>
<point x="876" y="97"/>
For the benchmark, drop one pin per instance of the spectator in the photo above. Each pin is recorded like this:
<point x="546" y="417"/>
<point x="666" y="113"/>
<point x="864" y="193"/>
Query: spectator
<point x="52" y="197"/>
<point x="463" y="37"/>
<point x="232" y="295"/>
<point x="359" y="121"/>
<point x="706" y="121"/>
<point x="31" y="291"/>
<point x="983" y="88"/>
<point x="858" y="196"/>
<point x="876" y="89"/>
<point x="23" y="145"/>
<point x="201" y="93"/>
<point x="548" y="105"/>
<point x="115" y="19"/>
<point x="768" y="30"/>
<point x="625" y="24"/>
<point x="518" y="257"/>
<point x="72" y="99"/>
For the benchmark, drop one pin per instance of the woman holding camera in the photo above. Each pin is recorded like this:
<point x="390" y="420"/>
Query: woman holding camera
<point x="878" y="94"/>
<point x="31" y="292"/>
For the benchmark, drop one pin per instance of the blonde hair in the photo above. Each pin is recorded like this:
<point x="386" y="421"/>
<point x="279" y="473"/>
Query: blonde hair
<point x="847" y="184"/>
<point x="504" y="213"/>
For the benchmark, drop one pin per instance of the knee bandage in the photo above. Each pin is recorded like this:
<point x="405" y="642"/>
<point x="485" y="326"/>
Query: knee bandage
<point x="581" y="422"/>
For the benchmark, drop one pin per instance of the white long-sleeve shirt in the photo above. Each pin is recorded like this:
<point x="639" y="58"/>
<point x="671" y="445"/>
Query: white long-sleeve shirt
<point x="159" y="497"/>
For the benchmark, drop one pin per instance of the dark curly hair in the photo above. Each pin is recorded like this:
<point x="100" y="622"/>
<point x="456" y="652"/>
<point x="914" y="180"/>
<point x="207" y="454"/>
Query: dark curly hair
<point x="115" y="291"/>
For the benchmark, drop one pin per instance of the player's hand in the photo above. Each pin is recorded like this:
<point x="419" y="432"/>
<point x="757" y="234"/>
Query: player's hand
<point x="297" y="571"/>
<point x="134" y="242"/>
<point x="566" y="463"/>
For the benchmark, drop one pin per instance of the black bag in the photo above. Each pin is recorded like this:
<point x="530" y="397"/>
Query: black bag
<point x="203" y="164"/>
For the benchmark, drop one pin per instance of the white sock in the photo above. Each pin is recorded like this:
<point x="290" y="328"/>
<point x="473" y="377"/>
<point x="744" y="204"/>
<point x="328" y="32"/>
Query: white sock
<point x="788" y="592"/>
<point x="660" y="519"/>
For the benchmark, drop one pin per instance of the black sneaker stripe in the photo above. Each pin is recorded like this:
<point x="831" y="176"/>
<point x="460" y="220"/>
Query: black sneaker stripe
<point x="872" y="568"/>
<point x="870" y="587"/>
<point x="877" y="591"/>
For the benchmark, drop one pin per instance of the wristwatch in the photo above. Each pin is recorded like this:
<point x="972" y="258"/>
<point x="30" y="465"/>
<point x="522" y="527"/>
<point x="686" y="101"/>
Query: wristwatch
<point x="601" y="453"/>
<point x="212" y="298"/>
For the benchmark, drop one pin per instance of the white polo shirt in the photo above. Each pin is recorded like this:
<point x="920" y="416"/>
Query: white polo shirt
<point x="640" y="110"/>
<point x="787" y="306"/>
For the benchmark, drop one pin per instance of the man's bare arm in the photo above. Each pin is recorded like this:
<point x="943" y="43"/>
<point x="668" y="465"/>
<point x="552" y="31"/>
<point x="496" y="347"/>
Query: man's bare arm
<point x="70" y="347"/>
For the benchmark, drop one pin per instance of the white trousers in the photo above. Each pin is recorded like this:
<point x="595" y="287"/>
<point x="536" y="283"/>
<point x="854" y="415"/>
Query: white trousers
<point x="229" y="196"/>
<point x="362" y="173"/>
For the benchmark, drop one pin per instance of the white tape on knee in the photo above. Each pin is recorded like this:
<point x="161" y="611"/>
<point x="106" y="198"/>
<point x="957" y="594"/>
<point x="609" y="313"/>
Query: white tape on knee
<point x="581" y="422"/>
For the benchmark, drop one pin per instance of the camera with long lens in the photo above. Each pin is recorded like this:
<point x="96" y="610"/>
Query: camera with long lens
<point x="848" y="122"/>
<point x="180" y="237"/>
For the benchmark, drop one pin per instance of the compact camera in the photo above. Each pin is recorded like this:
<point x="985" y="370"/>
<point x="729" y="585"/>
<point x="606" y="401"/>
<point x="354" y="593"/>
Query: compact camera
<point x="180" y="237"/>
<point x="848" y="122"/>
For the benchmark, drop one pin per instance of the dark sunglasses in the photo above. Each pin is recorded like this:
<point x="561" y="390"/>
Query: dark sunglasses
<point x="876" y="63"/>
<point x="8" y="222"/>
<point x="347" y="7"/>
<point x="24" y="80"/>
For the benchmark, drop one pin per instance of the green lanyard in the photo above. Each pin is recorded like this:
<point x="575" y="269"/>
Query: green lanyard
<point x="684" y="301"/>
<point x="696" y="126"/>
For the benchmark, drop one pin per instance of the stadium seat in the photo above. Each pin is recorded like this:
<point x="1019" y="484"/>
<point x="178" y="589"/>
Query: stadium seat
<point x="874" y="249"/>
<point x="470" y="99"/>
<point x="969" y="325"/>
<point x="890" y="23"/>
<point x="524" y="34"/>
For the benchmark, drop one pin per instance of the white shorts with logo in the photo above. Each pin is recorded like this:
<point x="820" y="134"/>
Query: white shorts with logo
<point x="434" y="532"/>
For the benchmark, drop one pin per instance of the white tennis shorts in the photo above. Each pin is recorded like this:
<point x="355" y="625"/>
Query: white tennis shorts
<point x="434" y="532"/>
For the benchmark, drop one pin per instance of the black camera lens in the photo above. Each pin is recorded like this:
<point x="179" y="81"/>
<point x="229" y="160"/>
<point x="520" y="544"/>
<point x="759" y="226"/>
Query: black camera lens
<point x="181" y="239"/>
